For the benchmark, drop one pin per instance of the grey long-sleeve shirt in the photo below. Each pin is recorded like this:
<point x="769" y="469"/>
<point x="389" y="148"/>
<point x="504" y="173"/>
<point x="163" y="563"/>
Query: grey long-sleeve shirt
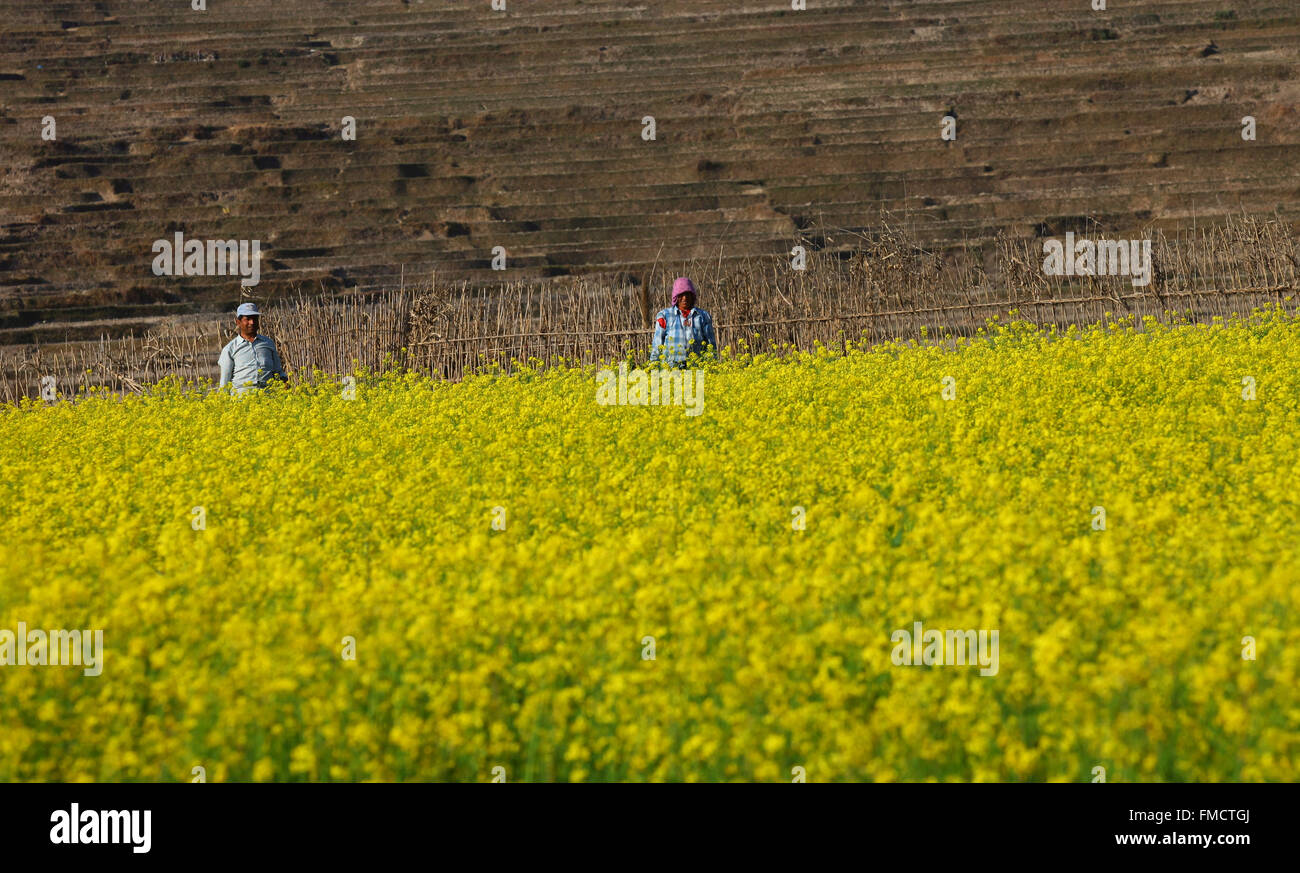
<point x="247" y="364"/>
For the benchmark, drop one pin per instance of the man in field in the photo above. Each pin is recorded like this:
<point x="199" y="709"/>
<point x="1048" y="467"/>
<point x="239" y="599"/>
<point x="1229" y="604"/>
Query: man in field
<point x="682" y="330"/>
<point x="249" y="360"/>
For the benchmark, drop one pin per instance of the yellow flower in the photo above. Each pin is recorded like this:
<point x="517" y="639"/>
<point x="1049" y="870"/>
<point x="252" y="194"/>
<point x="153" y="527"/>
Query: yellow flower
<point x="431" y="581"/>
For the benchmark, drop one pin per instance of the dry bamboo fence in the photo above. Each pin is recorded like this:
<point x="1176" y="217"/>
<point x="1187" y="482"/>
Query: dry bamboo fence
<point x="872" y="287"/>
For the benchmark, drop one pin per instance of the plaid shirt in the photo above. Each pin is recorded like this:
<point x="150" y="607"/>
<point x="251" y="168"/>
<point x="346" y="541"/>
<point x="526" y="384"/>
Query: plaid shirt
<point x="676" y="337"/>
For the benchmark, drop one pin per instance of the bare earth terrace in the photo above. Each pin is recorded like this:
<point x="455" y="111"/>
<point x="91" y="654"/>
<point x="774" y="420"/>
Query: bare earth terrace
<point x="523" y="129"/>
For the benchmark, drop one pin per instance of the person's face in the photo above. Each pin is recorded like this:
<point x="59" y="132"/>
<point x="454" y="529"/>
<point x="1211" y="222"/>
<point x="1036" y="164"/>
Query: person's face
<point x="247" y="325"/>
<point x="686" y="302"/>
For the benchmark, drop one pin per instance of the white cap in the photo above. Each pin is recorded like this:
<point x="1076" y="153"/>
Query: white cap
<point x="247" y="309"/>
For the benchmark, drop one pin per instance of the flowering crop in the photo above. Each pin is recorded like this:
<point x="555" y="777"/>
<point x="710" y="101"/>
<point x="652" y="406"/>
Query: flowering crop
<point x="499" y="550"/>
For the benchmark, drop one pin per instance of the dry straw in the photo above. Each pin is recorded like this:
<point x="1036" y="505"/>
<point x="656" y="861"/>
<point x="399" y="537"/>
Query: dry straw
<point x="877" y="286"/>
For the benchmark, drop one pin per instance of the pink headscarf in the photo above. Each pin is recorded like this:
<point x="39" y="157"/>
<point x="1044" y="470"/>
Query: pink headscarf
<point x="683" y="286"/>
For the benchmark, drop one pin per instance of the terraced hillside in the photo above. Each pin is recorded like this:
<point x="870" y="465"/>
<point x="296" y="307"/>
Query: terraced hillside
<point x="477" y="128"/>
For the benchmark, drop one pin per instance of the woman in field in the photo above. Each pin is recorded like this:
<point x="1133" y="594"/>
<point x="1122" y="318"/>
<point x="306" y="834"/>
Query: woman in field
<point x="682" y="330"/>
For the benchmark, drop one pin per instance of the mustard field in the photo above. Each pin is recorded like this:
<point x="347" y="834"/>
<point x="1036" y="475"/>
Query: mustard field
<point x="524" y="577"/>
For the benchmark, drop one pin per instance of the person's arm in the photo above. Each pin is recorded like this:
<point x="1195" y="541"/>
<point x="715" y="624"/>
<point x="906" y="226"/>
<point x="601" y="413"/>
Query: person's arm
<point x="226" y="362"/>
<point x="657" y="341"/>
<point x="711" y="338"/>
<point x="278" y="372"/>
